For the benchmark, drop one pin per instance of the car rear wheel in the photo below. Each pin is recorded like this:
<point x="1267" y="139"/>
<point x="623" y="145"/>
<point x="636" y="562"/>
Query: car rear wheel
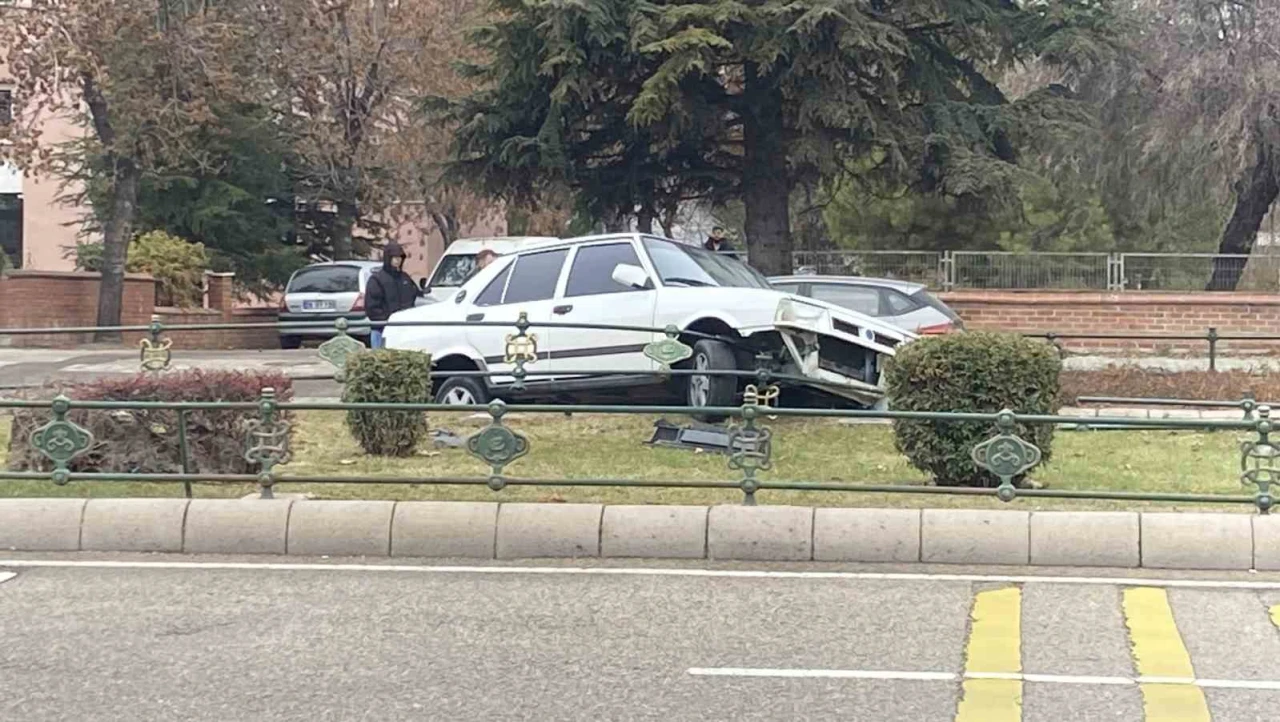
<point x="462" y="391"/>
<point x="711" y="391"/>
<point x="291" y="342"/>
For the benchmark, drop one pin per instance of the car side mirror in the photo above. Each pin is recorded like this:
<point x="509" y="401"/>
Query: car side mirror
<point x="625" y="274"/>
<point x="422" y="283"/>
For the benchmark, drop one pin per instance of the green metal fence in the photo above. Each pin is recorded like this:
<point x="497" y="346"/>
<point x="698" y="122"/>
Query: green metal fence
<point x="1005" y="453"/>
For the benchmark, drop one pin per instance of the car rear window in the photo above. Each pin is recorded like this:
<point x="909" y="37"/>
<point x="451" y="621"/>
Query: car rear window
<point x="857" y="298"/>
<point x="932" y="301"/>
<point x="326" y="279"/>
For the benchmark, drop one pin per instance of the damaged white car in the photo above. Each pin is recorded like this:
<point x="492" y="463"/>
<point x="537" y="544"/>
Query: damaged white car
<point x="726" y="312"/>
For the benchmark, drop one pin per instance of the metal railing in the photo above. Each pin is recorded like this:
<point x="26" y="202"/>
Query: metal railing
<point x="1005" y="454"/>
<point x="924" y="267"/>
<point x="1008" y="270"/>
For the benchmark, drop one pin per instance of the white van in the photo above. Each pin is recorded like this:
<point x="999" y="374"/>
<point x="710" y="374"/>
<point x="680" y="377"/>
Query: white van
<point x="459" y="261"/>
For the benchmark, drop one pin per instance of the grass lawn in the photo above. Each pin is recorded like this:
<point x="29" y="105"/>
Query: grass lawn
<point x="804" y="450"/>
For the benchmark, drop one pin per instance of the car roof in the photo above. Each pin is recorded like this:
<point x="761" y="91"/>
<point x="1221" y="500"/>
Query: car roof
<point x="353" y="262"/>
<point x="903" y="286"/>
<point x="474" y="245"/>
<point x="578" y="240"/>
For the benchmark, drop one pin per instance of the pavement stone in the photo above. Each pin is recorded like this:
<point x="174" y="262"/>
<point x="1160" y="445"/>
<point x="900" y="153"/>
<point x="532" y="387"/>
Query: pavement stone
<point x="133" y="525"/>
<point x="866" y="535"/>
<point x="760" y="533"/>
<point x="1197" y="540"/>
<point x="237" y="526"/>
<point x="41" y="524"/>
<point x="444" y="529"/>
<point x="1266" y="542"/>
<point x="341" y="528"/>
<point x="1085" y="539"/>
<point x="654" y="531"/>
<point x="975" y="536"/>
<point x="528" y="531"/>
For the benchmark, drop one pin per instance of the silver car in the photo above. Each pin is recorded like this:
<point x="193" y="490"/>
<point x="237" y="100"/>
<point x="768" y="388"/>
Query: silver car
<point x="325" y="292"/>
<point x="909" y="306"/>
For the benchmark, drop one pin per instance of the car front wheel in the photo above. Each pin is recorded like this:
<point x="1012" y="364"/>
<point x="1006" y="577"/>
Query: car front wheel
<point x="290" y="343"/>
<point x="712" y="391"/>
<point x="462" y="391"/>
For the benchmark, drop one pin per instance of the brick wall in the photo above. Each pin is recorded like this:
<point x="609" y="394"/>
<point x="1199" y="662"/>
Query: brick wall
<point x="52" y="299"/>
<point x="48" y="299"/>
<point x="1069" y="312"/>
<point x="221" y="309"/>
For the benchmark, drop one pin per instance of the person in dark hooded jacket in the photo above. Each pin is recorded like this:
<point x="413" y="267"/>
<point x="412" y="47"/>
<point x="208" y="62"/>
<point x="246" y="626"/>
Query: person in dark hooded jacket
<point x="389" y="290"/>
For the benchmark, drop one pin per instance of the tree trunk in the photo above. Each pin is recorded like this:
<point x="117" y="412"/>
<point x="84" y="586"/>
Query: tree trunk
<point x="1255" y="192"/>
<point x="644" y="220"/>
<point x="766" y="185"/>
<point x="447" y="222"/>
<point x="615" y="221"/>
<point x="116" y="233"/>
<point x="344" y="222"/>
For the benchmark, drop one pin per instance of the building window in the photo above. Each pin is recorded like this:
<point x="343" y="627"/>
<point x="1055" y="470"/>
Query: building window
<point x="11" y="227"/>
<point x="6" y="107"/>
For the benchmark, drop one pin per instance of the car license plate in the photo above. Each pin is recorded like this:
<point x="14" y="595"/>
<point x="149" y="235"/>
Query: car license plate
<point x="318" y="306"/>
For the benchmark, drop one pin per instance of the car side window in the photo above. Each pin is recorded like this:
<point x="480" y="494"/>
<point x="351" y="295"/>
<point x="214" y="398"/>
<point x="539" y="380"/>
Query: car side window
<point x="856" y="298"/>
<point x="787" y="287"/>
<point x="492" y="294"/>
<point x="592" y="270"/>
<point x="535" y="276"/>
<point x="899" y="303"/>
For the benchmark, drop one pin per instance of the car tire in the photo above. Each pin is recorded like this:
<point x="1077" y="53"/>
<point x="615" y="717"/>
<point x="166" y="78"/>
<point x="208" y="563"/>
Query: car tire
<point x="290" y="343"/>
<point x="462" y="391"/>
<point x="705" y="391"/>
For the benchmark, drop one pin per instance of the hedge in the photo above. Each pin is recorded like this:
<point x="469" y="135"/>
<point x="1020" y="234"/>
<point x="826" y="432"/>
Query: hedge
<point x="388" y="376"/>
<point x="145" y="441"/>
<point x="970" y="372"/>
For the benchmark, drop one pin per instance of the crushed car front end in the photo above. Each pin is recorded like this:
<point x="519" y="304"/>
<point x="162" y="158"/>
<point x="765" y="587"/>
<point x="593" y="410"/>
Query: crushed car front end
<point x="835" y="350"/>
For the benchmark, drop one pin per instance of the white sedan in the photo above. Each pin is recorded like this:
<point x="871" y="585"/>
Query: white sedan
<point x="726" y="311"/>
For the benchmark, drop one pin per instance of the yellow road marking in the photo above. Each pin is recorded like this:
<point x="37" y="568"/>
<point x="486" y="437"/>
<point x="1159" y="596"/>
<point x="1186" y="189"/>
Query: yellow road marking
<point x="995" y="646"/>
<point x="1158" y="651"/>
<point x="1275" y="615"/>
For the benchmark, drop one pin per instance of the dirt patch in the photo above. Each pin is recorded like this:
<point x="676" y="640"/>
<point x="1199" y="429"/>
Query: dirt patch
<point x="1129" y="382"/>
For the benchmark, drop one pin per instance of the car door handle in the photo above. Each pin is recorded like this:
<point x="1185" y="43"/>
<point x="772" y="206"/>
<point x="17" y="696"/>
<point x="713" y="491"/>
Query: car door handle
<point x="561" y="310"/>
<point x="475" y="317"/>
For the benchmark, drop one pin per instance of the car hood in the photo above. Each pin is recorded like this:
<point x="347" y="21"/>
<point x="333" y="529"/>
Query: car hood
<point x="756" y="308"/>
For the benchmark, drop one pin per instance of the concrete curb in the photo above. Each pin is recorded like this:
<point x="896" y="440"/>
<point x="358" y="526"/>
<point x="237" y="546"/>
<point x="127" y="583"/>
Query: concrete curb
<point x="492" y="530"/>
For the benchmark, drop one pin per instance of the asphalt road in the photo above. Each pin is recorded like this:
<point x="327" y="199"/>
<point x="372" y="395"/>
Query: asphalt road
<point x="208" y="643"/>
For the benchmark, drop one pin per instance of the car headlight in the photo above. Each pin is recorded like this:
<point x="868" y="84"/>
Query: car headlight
<point x="798" y="314"/>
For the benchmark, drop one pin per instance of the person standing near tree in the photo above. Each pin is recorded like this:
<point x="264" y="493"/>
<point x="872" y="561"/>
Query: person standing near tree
<point x="390" y="289"/>
<point x="718" y="242"/>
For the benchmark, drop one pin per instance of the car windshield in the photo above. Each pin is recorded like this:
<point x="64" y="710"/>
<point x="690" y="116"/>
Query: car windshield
<point x="454" y="270"/>
<point x="326" y="279"/>
<point x="679" y="264"/>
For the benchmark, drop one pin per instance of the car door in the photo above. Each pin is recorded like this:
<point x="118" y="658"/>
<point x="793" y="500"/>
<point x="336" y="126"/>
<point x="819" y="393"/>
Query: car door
<point x="528" y="285"/>
<point x="591" y="296"/>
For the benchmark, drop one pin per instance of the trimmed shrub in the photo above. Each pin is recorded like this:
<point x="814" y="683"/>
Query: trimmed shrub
<point x="387" y="376"/>
<point x="145" y="441"/>
<point x="969" y="372"/>
<point x="177" y="265"/>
